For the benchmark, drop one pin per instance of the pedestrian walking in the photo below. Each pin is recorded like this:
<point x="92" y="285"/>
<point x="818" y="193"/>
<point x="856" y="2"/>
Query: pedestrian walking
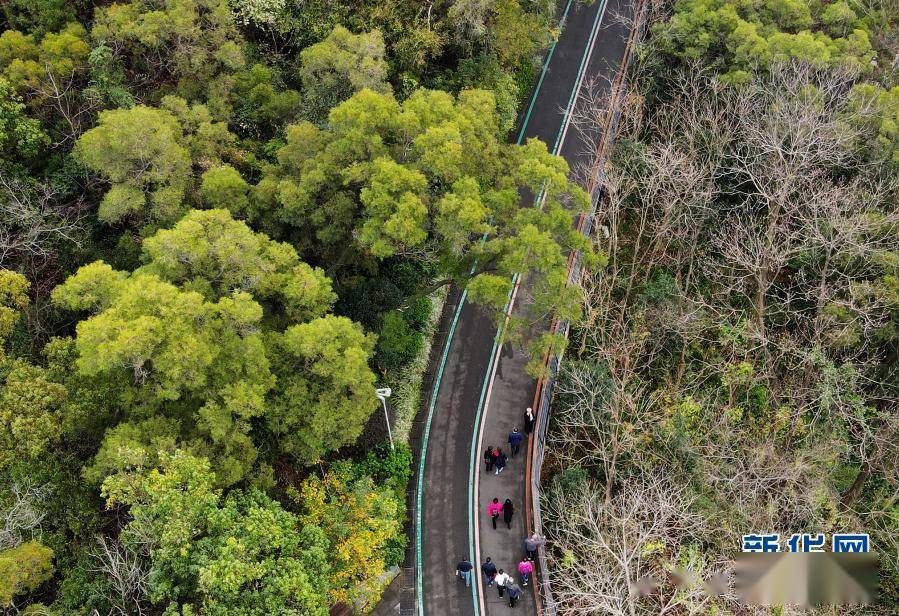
<point x="463" y="570"/>
<point x="489" y="571"/>
<point x="531" y="544"/>
<point x="500" y="461"/>
<point x="514" y="593"/>
<point x="502" y="578"/>
<point x="515" y="438"/>
<point x="508" y="510"/>
<point x="525" y="569"/>
<point x="489" y="458"/>
<point x="528" y="420"/>
<point x="493" y="510"/>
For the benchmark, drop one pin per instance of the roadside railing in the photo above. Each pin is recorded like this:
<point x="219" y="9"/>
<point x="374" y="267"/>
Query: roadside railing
<point x="543" y="395"/>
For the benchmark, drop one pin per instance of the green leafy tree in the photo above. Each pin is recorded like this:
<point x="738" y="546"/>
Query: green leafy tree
<point x="737" y="37"/>
<point x="32" y="66"/>
<point x="880" y="110"/>
<point x="325" y="386"/>
<point x="21" y="137"/>
<point x="839" y="18"/>
<point x="13" y="299"/>
<point x="344" y="63"/>
<point x="518" y="33"/>
<point x="398" y="343"/>
<point x="52" y="74"/>
<point x="261" y="102"/>
<point x="266" y="14"/>
<point x="428" y="178"/>
<point x="32" y="412"/>
<point x="193" y="43"/>
<point x="38" y="17"/>
<point x="23" y="569"/>
<point x="210" y="252"/>
<point x="141" y="152"/>
<point x="135" y="444"/>
<point x="32" y="404"/>
<point x="184" y="346"/>
<point x="170" y="351"/>
<point x="148" y="155"/>
<point x="243" y="554"/>
<point x="788" y="14"/>
<point x="223" y="187"/>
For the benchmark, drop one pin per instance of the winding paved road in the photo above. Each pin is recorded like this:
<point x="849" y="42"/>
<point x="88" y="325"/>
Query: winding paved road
<point x="481" y="390"/>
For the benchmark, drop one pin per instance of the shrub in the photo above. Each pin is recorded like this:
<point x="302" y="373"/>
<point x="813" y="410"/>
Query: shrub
<point x="569" y="480"/>
<point x="417" y="313"/>
<point x="392" y="467"/>
<point x="398" y="344"/>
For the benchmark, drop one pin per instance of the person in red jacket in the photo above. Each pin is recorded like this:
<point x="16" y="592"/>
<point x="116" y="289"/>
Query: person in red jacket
<point x="500" y="461"/>
<point x="489" y="458"/>
<point x="493" y="510"/>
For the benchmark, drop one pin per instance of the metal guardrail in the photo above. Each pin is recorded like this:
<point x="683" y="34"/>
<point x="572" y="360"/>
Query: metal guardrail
<point x="546" y="604"/>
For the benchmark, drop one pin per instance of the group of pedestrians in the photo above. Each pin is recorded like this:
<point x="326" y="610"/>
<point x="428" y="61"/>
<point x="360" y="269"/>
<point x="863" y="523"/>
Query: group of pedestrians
<point x="505" y="584"/>
<point x="507" y="509"/>
<point x="495" y="458"/>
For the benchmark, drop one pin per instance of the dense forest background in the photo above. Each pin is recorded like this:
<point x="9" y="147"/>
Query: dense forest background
<point x="222" y="225"/>
<point x="736" y="368"/>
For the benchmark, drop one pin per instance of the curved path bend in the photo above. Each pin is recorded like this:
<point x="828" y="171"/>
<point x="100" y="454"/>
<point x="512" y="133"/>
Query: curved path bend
<point x="481" y="391"/>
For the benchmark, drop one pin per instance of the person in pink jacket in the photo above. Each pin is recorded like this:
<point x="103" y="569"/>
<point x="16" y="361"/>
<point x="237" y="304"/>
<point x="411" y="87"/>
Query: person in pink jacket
<point x="493" y="510"/>
<point x="526" y="568"/>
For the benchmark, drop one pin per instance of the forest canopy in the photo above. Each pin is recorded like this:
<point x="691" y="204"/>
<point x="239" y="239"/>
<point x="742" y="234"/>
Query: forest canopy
<point x="222" y="225"/>
<point x="735" y="370"/>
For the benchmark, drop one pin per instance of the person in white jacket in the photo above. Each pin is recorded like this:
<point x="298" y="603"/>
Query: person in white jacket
<point x="502" y="580"/>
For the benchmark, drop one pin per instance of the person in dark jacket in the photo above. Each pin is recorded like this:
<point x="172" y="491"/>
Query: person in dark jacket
<point x="489" y="571"/>
<point x="500" y="461"/>
<point x="463" y="570"/>
<point x="515" y="438"/>
<point x="489" y="458"/>
<point x="528" y="420"/>
<point x="508" y="510"/>
<point x="514" y="591"/>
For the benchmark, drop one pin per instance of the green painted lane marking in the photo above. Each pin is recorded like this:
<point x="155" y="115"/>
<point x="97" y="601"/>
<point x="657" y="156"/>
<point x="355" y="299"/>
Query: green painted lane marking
<point x="549" y="55"/>
<point x="424" y="453"/>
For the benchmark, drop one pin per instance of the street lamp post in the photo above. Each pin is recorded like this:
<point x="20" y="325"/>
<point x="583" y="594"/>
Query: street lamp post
<point x="383" y="393"/>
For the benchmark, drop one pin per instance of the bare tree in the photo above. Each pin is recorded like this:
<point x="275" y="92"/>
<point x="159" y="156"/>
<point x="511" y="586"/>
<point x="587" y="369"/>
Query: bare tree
<point x="127" y="574"/>
<point x="733" y="336"/>
<point x="24" y="513"/>
<point x="600" y="419"/>
<point x="32" y="220"/>
<point x="786" y="138"/>
<point x="615" y="557"/>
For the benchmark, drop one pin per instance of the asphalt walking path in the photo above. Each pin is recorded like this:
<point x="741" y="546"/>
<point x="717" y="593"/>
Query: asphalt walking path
<point x="482" y="386"/>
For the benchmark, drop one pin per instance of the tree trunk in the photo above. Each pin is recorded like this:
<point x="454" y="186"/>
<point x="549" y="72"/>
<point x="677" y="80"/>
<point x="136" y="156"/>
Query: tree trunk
<point x="759" y="302"/>
<point x="856" y="488"/>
